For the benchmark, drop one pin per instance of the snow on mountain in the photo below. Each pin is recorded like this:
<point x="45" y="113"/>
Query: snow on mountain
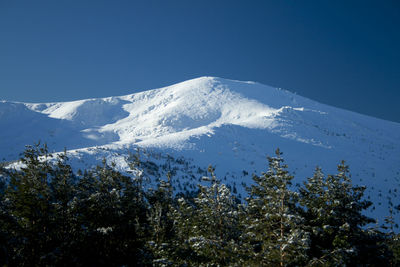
<point x="230" y="124"/>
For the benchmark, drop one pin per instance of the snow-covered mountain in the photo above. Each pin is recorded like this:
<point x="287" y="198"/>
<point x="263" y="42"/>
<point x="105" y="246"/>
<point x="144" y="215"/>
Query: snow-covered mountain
<point x="232" y="125"/>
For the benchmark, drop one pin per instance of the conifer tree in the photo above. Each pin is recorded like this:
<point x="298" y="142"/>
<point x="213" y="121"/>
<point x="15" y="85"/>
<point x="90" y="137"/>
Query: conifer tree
<point x="114" y="218"/>
<point x="274" y="232"/>
<point x="333" y="212"/>
<point x="392" y="237"/>
<point x="183" y="213"/>
<point x="216" y="234"/>
<point x="49" y="217"/>
<point x="64" y="229"/>
<point x="37" y="213"/>
<point x="161" y="221"/>
<point x="208" y="227"/>
<point x="29" y="198"/>
<point x="6" y="223"/>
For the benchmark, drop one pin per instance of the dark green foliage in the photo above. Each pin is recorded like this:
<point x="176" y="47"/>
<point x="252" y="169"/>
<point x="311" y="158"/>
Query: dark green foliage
<point x="112" y="215"/>
<point x="48" y="217"/>
<point x="29" y="202"/>
<point x="392" y="238"/>
<point x="162" y="236"/>
<point x="274" y="231"/>
<point x="214" y="231"/>
<point x="393" y="242"/>
<point x="5" y="222"/>
<point x="52" y="216"/>
<point x="333" y="212"/>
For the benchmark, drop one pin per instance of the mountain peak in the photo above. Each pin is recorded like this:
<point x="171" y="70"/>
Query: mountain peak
<point x="227" y="123"/>
<point x="196" y="107"/>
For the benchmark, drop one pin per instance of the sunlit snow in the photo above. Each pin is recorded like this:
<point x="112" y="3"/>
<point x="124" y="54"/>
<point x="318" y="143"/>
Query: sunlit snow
<point x="230" y="124"/>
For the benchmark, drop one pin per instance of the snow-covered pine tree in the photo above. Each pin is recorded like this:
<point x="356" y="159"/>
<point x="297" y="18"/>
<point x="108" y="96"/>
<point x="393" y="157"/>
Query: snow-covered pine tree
<point x="274" y="226"/>
<point x="29" y="201"/>
<point x="333" y="212"/>
<point x="65" y="230"/>
<point x="112" y="212"/>
<point x="184" y="223"/>
<point x="214" y="229"/>
<point x="161" y="221"/>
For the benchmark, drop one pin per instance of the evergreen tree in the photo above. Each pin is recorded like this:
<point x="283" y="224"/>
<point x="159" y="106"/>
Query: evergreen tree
<point x="49" y="216"/>
<point x="6" y="223"/>
<point x="216" y="234"/>
<point x="274" y="232"/>
<point x="36" y="210"/>
<point x="29" y="199"/>
<point x="184" y="212"/>
<point x="113" y="217"/>
<point x="392" y="238"/>
<point x="208" y="226"/>
<point x="333" y="212"/>
<point x="64" y="230"/>
<point x="161" y="222"/>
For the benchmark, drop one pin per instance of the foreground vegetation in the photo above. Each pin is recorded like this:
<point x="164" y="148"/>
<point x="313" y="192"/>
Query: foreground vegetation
<point x="51" y="216"/>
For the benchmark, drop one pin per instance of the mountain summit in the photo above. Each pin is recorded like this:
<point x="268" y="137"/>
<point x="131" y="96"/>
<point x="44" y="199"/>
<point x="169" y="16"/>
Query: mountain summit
<point x="230" y="124"/>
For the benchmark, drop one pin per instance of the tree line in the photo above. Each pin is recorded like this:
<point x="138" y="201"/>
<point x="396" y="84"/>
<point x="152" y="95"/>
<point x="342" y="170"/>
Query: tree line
<point x="52" y="216"/>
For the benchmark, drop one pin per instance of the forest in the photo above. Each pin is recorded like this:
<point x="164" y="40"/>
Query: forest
<point x="51" y="215"/>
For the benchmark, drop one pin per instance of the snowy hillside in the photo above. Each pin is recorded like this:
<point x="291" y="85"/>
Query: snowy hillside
<point x="230" y="124"/>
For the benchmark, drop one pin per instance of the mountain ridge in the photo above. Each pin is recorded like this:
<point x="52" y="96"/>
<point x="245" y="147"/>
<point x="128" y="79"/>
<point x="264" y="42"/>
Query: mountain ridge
<point x="227" y="123"/>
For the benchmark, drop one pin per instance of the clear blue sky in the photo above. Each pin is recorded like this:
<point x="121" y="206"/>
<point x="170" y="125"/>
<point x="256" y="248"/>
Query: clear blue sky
<point x="342" y="53"/>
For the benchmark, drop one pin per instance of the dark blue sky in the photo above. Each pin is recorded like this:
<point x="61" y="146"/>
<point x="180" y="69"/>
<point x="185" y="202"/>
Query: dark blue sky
<point x="342" y="53"/>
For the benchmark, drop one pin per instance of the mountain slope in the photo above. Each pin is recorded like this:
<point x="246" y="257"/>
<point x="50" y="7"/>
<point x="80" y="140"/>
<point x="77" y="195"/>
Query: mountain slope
<point x="207" y="120"/>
